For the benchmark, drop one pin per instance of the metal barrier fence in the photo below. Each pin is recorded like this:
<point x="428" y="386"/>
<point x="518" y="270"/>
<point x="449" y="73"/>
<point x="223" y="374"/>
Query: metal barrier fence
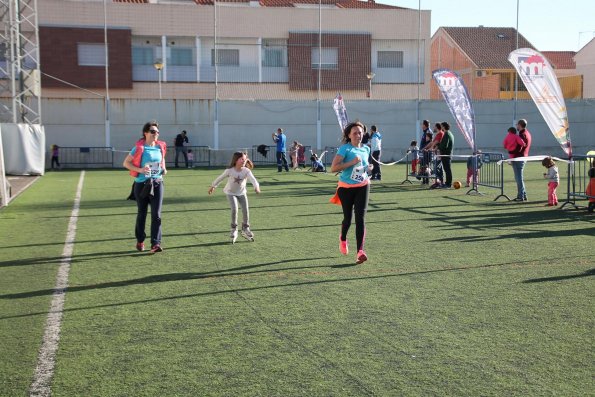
<point x="84" y="157"/>
<point x="425" y="170"/>
<point x="327" y="160"/>
<point x="267" y="155"/>
<point x="103" y="157"/>
<point x="201" y="156"/>
<point x="578" y="179"/>
<point x="489" y="172"/>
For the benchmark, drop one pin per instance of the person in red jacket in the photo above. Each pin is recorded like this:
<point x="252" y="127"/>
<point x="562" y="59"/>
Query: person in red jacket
<point x="525" y="135"/>
<point x="591" y="190"/>
<point x="515" y="145"/>
<point x="146" y="163"/>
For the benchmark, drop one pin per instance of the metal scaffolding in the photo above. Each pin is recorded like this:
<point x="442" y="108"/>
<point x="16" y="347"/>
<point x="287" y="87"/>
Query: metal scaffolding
<point x="20" y="92"/>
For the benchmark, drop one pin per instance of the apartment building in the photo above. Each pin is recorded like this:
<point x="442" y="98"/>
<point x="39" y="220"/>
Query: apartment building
<point x="233" y="49"/>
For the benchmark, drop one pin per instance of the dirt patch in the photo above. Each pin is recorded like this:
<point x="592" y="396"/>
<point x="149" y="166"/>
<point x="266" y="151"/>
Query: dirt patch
<point x="19" y="183"/>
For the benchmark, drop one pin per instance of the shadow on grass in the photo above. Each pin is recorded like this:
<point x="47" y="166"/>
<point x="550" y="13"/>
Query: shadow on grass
<point x="590" y="272"/>
<point x="235" y="272"/>
<point x="94" y="256"/>
<point x="158" y="278"/>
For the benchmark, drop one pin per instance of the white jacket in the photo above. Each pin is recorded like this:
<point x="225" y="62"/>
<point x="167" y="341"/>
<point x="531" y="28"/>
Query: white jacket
<point x="236" y="182"/>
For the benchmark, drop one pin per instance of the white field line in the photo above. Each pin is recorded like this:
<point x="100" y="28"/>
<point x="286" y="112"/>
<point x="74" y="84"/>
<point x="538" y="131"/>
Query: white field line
<point x="46" y="360"/>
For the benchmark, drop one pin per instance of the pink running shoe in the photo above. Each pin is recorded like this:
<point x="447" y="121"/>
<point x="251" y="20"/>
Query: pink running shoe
<point x="343" y="247"/>
<point x="361" y="257"/>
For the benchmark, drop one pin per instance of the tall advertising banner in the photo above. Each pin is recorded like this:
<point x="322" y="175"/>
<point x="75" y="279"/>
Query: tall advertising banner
<point x="340" y="111"/>
<point x="457" y="98"/>
<point x="540" y="79"/>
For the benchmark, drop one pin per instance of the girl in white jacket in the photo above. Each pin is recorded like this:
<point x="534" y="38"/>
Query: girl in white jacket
<point x="553" y="179"/>
<point x="235" y="189"/>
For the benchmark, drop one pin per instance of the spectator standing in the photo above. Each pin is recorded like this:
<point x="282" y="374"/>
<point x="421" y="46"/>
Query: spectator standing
<point x="425" y="129"/>
<point x="293" y="153"/>
<point x="279" y="138"/>
<point x="553" y="179"/>
<point x="590" y="191"/>
<point x="446" y="147"/>
<point x="426" y="157"/>
<point x="519" y="166"/>
<point x="376" y="149"/>
<point x="181" y="140"/>
<point x="190" y="158"/>
<point x="430" y="148"/>
<point x="473" y="163"/>
<point x="56" y="156"/>
<point x="414" y="151"/>
<point x="514" y="145"/>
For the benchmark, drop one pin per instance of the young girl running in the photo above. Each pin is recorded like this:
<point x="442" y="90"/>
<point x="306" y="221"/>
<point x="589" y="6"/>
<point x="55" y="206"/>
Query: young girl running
<point x="354" y="186"/>
<point x="235" y="189"/>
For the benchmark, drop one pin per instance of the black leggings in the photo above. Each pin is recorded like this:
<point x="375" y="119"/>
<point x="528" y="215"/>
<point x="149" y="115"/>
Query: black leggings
<point x="156" y="202"/>
<point x="354" y="199"/>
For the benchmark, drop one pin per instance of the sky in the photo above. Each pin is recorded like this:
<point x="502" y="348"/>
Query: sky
<point x="550" y="25"/>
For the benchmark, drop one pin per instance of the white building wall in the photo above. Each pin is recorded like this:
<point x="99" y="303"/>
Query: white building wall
<point x="243" y="124"/>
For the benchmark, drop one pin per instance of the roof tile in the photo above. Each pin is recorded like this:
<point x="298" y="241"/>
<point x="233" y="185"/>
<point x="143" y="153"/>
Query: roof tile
<point x="488" y="47"/>
<point x="561" y="59"/>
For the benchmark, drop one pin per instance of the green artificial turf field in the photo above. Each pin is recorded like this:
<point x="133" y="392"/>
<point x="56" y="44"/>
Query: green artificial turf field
<point x="461" y="295"/>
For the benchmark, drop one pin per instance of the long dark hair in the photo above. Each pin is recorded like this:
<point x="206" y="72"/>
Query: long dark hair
<point x="347" y="130"/>
<point x="147" y="127"/>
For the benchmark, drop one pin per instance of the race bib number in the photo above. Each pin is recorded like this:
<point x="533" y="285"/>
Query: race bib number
<point x="154" y="166"/>
<point x="359" y="174"/>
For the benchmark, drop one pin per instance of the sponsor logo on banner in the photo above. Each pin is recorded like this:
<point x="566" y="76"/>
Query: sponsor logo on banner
<point x="542" y="84"/>
<point x="456" y="96"/>
<point x="340" y="111"/>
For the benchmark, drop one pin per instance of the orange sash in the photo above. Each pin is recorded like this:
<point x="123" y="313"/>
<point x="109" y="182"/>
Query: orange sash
<point x="336" y="200"/>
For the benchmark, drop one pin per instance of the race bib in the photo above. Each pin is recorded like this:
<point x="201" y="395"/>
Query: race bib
<point x="154" y="166"/>
<point x="359" y="174"/>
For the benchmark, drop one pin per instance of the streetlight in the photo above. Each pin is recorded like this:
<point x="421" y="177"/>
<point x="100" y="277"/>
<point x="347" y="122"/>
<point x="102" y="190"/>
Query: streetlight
<point x="370" y="76"/>
<point x="159" y="66"/>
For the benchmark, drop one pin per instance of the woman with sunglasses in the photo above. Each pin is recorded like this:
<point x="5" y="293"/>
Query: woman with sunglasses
<point x="146" y="162"/>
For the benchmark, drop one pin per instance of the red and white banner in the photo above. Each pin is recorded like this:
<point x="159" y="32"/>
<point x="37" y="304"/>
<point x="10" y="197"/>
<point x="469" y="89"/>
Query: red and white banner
<point x="540" y="79"/>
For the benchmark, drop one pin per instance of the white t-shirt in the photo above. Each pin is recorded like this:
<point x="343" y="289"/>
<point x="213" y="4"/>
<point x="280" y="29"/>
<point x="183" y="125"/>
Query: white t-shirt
<point x="236" y="182"/>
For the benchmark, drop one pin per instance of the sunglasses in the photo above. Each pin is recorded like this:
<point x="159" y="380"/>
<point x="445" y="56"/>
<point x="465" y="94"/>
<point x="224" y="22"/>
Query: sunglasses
<point x="154" y="132"/>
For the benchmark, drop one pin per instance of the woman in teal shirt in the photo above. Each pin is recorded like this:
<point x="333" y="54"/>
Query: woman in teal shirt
<point x="147" y="161"/>
<point x="354" y="186"/>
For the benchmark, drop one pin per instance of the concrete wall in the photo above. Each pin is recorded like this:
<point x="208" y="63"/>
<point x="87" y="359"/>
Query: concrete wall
<point x="243" y="124"/>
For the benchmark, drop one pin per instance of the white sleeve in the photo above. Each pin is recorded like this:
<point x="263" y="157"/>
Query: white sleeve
<point x="217" y="181"/>
<point x="252" y="179"/>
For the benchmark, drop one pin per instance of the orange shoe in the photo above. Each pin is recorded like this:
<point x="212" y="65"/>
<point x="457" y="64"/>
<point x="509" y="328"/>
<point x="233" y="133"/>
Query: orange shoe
<point x="361" y="257"/>
<point x="343" y="247"/>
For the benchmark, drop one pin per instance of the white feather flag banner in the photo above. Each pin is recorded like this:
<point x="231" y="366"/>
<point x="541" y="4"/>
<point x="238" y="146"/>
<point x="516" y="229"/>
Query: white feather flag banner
<point x="340" y="111"/>
<point x="540" y="79"/>
<point x="456" y="96"/>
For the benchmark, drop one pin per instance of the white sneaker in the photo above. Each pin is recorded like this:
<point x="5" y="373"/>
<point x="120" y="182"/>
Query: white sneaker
<point x="233" y="235"/>
<point x="247" y="234"/>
